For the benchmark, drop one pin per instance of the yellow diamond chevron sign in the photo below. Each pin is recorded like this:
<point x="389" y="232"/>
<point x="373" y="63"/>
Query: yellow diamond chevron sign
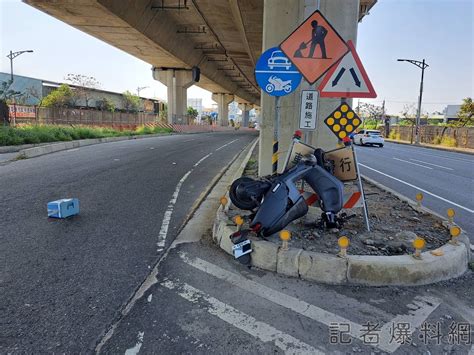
<point x="343" y="121"/>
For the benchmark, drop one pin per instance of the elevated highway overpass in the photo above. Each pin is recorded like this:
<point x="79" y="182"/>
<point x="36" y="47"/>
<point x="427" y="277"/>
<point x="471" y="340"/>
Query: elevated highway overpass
<point x="223" y="38"/>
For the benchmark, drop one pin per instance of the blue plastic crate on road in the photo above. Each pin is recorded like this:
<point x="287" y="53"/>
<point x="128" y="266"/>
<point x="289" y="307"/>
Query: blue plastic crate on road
<point x="63" y="208"/>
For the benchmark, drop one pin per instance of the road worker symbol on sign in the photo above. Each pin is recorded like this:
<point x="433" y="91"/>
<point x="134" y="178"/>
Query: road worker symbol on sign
<point x="314" y="47"/>
<point x="343" y="121"/>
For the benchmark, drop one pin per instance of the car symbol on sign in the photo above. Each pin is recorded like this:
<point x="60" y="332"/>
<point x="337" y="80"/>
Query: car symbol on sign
<point x="278" y="59"/>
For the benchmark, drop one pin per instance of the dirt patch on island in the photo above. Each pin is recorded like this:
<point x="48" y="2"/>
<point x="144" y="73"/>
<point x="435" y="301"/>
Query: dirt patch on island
<point x="394" y="224"/>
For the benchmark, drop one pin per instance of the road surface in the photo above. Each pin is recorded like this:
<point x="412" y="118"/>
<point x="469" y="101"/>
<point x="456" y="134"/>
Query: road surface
<point x="66" y="286"/>
<point x="63" y="281"/>
<point x="445" y="178"/>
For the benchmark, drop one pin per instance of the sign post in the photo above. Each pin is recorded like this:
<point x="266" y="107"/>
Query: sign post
<point x="277" y="76"/>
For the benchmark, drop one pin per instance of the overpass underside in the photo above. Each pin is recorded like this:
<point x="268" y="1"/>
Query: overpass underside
<point x="221" y="38"/>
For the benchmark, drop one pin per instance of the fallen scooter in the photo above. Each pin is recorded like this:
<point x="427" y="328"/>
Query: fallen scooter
<point x="276" y="201"/>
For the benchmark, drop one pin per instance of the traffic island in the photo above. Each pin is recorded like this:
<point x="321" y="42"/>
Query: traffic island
<point x="381" y="257"/>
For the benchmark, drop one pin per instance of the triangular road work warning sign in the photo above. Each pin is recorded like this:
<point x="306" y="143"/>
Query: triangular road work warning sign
<point x="347" y="78"/>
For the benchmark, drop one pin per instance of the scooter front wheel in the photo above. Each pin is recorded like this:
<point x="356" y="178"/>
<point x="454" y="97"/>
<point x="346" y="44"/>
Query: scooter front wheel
<point x="241" y="200"/>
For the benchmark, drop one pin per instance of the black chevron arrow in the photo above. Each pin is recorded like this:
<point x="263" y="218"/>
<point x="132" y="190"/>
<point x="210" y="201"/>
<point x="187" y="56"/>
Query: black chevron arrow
<point x="338" y="76"/>
<point x="355" y="77"/>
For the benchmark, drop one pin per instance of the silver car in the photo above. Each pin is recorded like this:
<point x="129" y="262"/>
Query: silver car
<point x="368" y="137"/>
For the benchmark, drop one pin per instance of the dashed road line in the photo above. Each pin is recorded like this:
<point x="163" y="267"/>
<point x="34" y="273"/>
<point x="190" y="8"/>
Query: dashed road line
<point x="225" y="145"/>
<point x="241" y="320"/>
<point x="169" y="210"/>
<point x="419" y="188"/>
<point x="409" y="162"/>
<point x="425" y="162"/>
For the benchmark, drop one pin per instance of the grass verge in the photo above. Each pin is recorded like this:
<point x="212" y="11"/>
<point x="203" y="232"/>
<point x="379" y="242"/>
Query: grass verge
<point x="34" y="134"/>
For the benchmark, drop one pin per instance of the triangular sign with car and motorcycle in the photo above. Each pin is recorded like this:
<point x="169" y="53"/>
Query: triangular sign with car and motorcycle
<point x="347" y="78"/>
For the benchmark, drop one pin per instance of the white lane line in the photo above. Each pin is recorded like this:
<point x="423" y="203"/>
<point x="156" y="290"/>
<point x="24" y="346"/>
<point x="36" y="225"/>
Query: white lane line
<point x="202" y="159"/>
<point x="420" y="310"/>
<point x="414" y="151"/>
<point x="134" y="350"/>
<point x="306" y="309"/>
<point x="225" y="145"/>
<point x="424" y="162"/>
<point x="243" y="321"/>
<point x="72" y="150"/>
<point x="169" y="211"/>
<point x="409" y="162"/>
<point x="419" y="188"/>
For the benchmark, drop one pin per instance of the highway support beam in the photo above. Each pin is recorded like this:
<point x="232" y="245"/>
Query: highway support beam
<point x="223" y="101"/>
<point x="177" y="82"/>
<point x="245" y="113"/>
<point x="280" y="18"/>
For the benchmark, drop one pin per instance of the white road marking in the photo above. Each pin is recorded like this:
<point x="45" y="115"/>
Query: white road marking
<point x="72" y="150"/>
<point x="419" y="188"/>
<point x="138" y="345"/>
<point x="424" y="162"/>
<point x="169" y="211"/>
<point x="225" y="145"/>
<point x="149" y="297"/>
<point x="421" y="308"/>
<point x="202" y="159"/>
<point x="306" y="309"/>
<point x="238" y="319"/>
<point x="414" y="150"/>
<point x="409" y="162"/>
<point x="116" y="159"/>
<point x="152" y="148"/>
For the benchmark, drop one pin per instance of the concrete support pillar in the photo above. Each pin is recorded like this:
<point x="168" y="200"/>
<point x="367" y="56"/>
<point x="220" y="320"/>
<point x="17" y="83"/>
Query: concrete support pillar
<point x="245" y="114"/>
<point x="280" y="18"/>
<point x="223" y="101"/>
<point x="177" y="82"/>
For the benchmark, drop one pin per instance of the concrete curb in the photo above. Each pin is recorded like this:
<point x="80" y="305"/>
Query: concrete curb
<point x="56" y="147"/>
<point x="430" y="146"/>
<point x="400" y="270"/>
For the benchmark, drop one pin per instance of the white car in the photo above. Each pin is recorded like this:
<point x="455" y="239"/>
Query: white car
<point x="368" y="137"/>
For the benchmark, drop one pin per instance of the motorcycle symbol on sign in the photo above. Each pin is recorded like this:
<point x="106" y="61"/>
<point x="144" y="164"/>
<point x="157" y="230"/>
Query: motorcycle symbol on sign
<point x="276" y="84"/>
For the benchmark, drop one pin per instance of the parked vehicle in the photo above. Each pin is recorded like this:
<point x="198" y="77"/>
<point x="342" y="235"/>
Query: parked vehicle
<point x="368" y="137"/>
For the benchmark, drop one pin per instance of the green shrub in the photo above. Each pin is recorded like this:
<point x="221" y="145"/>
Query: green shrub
<point x="394" y="135"/>
<point x="34" y="134"/>
<point x="449" y="141"/>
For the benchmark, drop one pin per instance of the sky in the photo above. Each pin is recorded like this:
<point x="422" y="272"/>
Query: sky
<point x="439" y="31"/>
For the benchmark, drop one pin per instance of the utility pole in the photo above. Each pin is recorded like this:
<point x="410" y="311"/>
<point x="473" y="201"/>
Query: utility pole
<point x="12" y="56"/>
<point x="140" y="88"/>
<point x="422" y="65"/>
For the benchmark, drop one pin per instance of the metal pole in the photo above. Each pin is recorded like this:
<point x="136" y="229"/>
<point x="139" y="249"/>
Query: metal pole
<point x="11" y="66"/>
<point x="361" y="189"/>
<point x="417" y="132"/>
<point x="276" y="134"/>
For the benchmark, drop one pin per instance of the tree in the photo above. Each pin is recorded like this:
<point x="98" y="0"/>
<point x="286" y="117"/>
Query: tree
<point x="164" y="112"/>
<point x="409" y="115"/>
<point x="106" y="105"/>
<point x="82" y="85"/>
<point x="370" y="111"/>
<point x="192" y="112"/>
<point x="61" y="97"/>
<point x="465" y="114"/>
<point x="7" y="94"/>
<point x="131" y="102"/>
